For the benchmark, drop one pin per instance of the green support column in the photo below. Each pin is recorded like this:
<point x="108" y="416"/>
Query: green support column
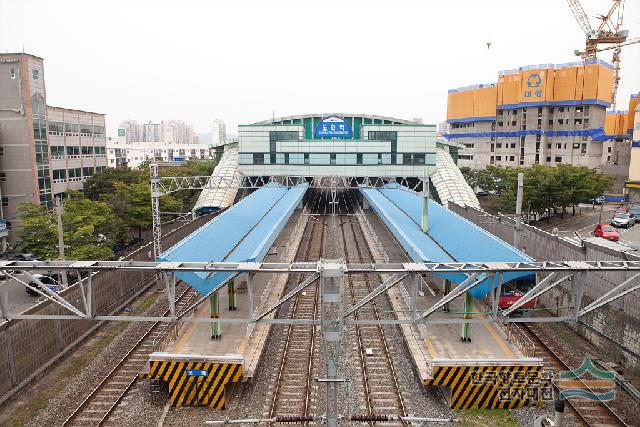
<point x="214" y="305"/>
<point x="447" y="289"/>
<point x="468" y="308"/>
<point x="232" y="295"/>
<point x="425" y="214"/>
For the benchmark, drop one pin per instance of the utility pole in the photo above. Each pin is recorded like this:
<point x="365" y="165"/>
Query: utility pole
<point x="518" y="209"/>
<point x="59" y="208"/>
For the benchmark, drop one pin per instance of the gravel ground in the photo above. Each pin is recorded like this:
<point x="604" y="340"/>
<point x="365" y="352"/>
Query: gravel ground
<point x="572" y="348"/>
<point x="62" y="405"/>
<point x="140" y="407"/>
<point x="254" y="398"/>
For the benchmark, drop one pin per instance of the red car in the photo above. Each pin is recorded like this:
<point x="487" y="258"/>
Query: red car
<point x="606" y="232"/>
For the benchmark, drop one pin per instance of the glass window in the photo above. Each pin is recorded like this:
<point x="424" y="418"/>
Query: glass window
<point x="73" y="151"/>
<point x="98" y="130"/>
<point x="55" y="128"/>
<point x="85" y="130"/>
<point x="87" y="150"/>
<point x="87" y="171"/>
<point x="59" y="174"/>
<point x="12" y="73"/>
<point x="42" y="154"/>
<point x="71" y="129"/>
<point x="35" y="73"/>
<point x="57" y="151"/>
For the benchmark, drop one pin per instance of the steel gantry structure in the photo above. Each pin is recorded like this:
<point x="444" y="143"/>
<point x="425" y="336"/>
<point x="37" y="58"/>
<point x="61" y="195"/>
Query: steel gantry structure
<point x="552" y="274"/>
<point x="164" y="185"/>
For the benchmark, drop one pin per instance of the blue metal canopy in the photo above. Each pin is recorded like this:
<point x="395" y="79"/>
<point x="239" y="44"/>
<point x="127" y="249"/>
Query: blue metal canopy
<point x="244" y="232"/>
<point x="450" y="236"/>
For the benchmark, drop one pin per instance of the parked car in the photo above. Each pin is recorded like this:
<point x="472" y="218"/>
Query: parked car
<point x="596" y="200"/>
<point x="50" y="282"/>
<point x="606" y="232"/>
<point x="623" y="220"/>
<point x="634" y="209"/>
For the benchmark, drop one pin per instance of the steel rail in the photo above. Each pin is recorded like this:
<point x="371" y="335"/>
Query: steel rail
<point x="280" y="379"/>
<point x="602" y="407"/>
<point x="382" y="337"/>
<point x="87" y="401"/>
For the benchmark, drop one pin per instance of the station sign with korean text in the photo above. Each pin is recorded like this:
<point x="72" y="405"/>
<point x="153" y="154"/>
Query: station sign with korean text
<point x="197" y="373"/>
<point x="333" y="127"/>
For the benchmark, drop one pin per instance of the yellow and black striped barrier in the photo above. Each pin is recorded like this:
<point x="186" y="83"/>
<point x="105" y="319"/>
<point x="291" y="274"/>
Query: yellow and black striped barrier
<point x="196" y="383"/>
<point x="491" y="387"/>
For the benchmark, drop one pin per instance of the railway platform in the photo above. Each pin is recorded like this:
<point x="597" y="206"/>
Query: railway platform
<point x="196" y="360"/>
<point x="493" y="366"/>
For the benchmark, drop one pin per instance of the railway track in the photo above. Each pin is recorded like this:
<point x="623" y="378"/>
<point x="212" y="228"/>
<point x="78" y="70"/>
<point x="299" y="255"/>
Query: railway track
<point x="587" y="412"/>
<point x="96" y="408"/>
<point x="291" y="397"/>
<point x="381" y="391"/>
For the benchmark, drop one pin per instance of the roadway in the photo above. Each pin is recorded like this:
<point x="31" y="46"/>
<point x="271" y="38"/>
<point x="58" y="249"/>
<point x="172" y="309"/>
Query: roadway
<point x="585" y="221"/>
<point x="18" y="299"/>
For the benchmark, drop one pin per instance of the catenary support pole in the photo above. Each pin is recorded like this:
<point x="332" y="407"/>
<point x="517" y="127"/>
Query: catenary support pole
<point x="414" y="295"/>
<point x="516" y="230"/>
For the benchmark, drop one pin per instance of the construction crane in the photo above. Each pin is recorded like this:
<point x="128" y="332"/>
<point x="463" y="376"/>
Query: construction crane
<point x="608" y="32"/>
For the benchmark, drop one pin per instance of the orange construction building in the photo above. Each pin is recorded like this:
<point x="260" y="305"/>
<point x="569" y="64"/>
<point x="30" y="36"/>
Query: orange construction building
<point x="543" y="114"/>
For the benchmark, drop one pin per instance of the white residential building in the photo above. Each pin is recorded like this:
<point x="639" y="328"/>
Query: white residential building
<point x="132" y="154"/>
<point x="169" y="131"/>
<point x="218" y="133"/>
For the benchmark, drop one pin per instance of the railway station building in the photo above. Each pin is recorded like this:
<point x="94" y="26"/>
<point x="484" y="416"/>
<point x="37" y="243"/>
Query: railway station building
<point x="337" y="145"/>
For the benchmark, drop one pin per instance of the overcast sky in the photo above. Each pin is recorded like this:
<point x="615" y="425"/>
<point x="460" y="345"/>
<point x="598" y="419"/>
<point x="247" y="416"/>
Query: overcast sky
<point x="243" y="61"/>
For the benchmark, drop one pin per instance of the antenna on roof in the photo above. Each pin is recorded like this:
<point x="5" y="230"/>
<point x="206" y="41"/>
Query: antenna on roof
<point x="273" y="115"/>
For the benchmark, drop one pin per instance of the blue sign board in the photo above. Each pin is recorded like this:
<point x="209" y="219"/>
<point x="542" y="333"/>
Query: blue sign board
<point x="178" y="159"/>
<point x="197" y="373"/>
<point x="333" y="127"/>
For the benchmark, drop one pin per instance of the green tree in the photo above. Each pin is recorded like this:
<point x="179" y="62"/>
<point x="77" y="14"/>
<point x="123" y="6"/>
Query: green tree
<point x="104" y="182"/>
<point x="549" y="189"/>
<point x="132" y="204"/>
<point x="38" y="233"/>
<point x="470" y="176"/>
<point x="90" y="229"/>
<point x="188" y="198"/>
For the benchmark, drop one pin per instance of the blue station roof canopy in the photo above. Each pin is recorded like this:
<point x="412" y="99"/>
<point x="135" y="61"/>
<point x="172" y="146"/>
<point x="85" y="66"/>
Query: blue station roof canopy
<point x="244" y="232"/>
<point x="450" y="237"/>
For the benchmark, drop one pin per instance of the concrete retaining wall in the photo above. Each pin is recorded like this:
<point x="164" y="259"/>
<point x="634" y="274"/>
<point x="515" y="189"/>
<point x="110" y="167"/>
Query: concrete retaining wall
<point x="28" y="346"/>
<point x="614" y="328"/>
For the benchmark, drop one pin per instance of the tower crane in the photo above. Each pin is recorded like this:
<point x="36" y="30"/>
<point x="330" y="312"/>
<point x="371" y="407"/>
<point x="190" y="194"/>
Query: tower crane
<point x="608" y="32"/>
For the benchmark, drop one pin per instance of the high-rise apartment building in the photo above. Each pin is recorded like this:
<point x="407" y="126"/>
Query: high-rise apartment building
<point x="169" y="131"/>
<point x="543" y="114"/>
<point x="43" y="150"/>
<point x="218" y="133"/>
